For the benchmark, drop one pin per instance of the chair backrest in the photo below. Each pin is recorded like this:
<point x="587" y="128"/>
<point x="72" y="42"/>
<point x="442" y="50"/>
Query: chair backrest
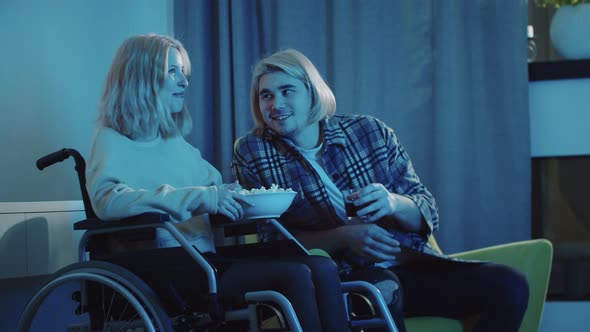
<point x="434" y="244"/>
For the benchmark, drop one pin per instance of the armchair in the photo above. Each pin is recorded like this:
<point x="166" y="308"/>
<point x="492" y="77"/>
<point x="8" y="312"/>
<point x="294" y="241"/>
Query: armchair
<point x="532" y="258"/>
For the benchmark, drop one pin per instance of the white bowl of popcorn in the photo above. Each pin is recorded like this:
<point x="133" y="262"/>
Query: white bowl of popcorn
<point x="267" y="203"/>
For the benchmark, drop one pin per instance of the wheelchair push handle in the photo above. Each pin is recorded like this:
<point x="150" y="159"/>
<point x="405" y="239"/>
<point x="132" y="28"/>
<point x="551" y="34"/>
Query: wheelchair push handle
<point x="56" y="157"/>
<point x="61" y="155"/>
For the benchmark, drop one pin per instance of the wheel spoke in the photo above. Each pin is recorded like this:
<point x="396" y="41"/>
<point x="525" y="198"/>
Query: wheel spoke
<point x="125" y="302"/>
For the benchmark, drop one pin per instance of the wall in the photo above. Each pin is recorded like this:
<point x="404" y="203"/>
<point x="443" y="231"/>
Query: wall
<point x="565" y="316"/>
<point x="559" y="117"/>
<point x="53" y="64"/>
<point x="37" y="238"/>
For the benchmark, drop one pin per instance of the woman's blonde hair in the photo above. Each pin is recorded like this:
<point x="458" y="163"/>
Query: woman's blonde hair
<point x="298" y="66"/>
<point x="130" y="103"/>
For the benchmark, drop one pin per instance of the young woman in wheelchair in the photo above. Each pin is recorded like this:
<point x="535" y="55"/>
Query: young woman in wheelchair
<point x="140" y="162"/>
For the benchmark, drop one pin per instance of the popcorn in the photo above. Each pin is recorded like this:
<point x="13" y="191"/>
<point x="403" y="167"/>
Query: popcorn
<point x="273" y="189"/>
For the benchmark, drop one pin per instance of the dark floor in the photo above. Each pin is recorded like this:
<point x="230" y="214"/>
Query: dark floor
<point x="14" y="295"/>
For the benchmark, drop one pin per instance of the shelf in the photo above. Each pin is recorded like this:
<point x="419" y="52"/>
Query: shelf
<point x="559" y="70"/>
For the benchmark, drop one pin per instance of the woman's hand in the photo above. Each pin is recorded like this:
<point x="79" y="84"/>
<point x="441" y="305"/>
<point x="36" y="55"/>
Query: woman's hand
<point x="229" y="202"/>
<point x="371" y="241"/>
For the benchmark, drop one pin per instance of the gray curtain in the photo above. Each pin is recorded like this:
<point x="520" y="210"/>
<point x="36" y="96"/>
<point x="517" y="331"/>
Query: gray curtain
<point x="449" y="76"/>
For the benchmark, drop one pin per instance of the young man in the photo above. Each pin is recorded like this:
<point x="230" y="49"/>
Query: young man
<point x="298" y="142"/>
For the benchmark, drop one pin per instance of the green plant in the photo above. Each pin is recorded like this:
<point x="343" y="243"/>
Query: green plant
<point x="559" y="3"/>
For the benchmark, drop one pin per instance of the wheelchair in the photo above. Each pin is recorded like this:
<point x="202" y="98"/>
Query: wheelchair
<point x="106" y="292"/>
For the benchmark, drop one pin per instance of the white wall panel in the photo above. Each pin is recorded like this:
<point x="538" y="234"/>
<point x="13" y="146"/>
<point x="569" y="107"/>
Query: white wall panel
<point x="560" y="117"/>
<point x="38" y="237"/>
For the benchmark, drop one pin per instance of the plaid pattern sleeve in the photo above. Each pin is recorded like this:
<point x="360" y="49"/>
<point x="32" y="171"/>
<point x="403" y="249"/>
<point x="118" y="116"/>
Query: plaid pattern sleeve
<point x="358" y="150"/>
<point x="362" y="150"/>
<point x="265" y="159"/>
<point x="406" y="182"/>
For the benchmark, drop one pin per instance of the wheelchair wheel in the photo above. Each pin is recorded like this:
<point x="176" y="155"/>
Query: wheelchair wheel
<point x="94" y="296"/>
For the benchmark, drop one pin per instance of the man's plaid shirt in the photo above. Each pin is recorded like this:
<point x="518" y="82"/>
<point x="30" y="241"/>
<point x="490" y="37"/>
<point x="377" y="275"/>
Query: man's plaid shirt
<point x="358" y="150"/>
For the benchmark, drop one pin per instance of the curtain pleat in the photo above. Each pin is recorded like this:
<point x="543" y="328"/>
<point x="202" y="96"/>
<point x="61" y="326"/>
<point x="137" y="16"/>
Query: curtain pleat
<point x="450" y="77"/>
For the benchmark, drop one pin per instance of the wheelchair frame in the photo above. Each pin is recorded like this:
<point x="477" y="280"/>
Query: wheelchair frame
<point x="143" y="298"/>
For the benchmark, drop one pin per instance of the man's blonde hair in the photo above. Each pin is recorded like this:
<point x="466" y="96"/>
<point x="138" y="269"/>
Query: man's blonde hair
<point x="298" y="66"/>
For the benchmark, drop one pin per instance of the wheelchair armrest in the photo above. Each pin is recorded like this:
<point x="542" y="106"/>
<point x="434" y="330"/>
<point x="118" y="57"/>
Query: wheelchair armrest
<point x="233" y="228"/>
<point x="140" y="227"/>
<point x="138" y="220"/>
<point x="238" y="228"/>
<point x="130" y="229"/>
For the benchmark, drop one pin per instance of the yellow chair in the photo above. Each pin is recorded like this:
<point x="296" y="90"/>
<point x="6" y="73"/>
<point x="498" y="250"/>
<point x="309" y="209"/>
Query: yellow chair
<point x="532" y="258"/>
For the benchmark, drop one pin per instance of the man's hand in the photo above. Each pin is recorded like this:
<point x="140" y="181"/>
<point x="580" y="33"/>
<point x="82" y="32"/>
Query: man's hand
<point x="378" y="200"/>
<point x="371" y="241"/>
